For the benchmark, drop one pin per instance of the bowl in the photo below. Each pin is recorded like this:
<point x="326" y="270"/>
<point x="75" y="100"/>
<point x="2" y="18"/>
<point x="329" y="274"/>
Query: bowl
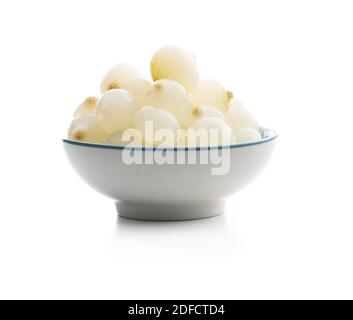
<point x="170" y="183"/>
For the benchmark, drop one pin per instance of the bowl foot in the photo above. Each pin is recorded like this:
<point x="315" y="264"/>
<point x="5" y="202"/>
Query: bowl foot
<point x="170" y="212"/>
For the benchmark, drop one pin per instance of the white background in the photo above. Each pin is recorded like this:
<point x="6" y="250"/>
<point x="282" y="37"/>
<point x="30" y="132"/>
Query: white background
<point x="288" y="235"/>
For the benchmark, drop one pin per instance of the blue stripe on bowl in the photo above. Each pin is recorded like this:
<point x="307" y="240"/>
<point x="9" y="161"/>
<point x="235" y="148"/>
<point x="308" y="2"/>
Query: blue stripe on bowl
<point x="267" y="135"/>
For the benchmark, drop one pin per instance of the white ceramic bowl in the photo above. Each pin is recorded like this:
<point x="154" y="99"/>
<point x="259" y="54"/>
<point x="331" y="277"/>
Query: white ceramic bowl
<point x="169" y="191"/>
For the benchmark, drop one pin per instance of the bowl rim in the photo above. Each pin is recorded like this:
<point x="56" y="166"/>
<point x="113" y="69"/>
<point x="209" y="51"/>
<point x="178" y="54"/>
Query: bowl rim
<point x="266" y="133"/>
